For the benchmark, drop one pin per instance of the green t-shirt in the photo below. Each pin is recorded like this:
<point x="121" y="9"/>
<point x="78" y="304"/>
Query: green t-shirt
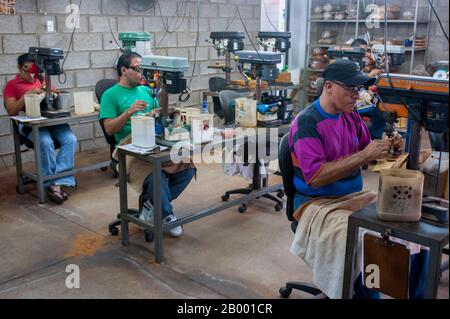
<point x="118" y="99"/>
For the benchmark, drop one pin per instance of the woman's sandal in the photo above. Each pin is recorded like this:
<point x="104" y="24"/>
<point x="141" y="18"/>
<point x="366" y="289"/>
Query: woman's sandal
<point x="65" y="196"/>
<point x="55" y="196"/>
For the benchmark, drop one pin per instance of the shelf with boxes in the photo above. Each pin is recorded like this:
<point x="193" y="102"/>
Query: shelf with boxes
<point x="336" y="24"/>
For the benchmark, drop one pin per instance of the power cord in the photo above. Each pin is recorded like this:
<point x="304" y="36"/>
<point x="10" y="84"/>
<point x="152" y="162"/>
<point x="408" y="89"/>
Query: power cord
<point x="439" y="20"/>
<point x="70" y="45"/>
<point x="267" y="16"/>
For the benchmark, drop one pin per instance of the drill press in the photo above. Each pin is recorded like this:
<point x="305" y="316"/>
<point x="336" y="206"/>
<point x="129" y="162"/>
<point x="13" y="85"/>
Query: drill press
<point x="425" y="101"/>
<point x="226" y="43"/>
<point x="279" y="42"/>
<point x="138" y="42"/>
<point x="47" y="61"/>
<point x="167" y="75"/>
<point x="254" y="62"/>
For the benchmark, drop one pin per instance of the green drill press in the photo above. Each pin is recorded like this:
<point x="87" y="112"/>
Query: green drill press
<point x="136" y="42"/>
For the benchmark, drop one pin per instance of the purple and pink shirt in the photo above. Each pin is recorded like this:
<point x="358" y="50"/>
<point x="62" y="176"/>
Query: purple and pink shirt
<point x="317" y="137"/>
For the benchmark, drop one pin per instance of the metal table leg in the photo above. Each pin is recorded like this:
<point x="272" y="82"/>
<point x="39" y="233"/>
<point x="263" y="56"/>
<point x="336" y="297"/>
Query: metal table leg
<point x="123" y="199"/>
<point x="350" y="256"/>
<point x="434" y="271"/>
<point x="37" y="154"/>
<point x="18" y="157"/>
<point x="157" y="206"/>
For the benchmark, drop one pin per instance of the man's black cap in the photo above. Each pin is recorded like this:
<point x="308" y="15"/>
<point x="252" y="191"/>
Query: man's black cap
<point x="346" y="72"/>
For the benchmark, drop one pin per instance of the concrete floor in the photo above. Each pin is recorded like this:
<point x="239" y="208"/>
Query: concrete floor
<point x="226" y="255"/>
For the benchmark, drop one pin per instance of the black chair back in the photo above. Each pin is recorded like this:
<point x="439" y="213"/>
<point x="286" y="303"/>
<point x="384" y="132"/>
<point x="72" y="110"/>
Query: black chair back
<point x="226" y="97"/>
<point x="287" y="174"/>
<point x="100" y="88"/>
<point x="217" y="84"/>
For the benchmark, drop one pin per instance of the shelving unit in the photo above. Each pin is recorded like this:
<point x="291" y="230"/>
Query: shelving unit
<point x="356" y="28"/>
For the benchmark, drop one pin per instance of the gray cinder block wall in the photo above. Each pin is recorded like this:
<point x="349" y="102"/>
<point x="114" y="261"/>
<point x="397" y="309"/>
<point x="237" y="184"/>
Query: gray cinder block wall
<point x="92" y="55"/>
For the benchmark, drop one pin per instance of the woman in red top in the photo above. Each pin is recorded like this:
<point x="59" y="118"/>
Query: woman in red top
<point x="27" y="81"/>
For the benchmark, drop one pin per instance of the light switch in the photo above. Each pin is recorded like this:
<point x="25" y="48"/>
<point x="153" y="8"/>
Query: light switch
<point x="50" y="26"/>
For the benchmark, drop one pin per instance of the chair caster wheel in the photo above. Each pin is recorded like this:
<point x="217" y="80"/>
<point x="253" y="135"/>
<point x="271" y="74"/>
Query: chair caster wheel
<point x="148" y="236"/>
<point x="278" y="207"/>
<point x="225" y="198"/>
<point x="114" y="231"/>
<point x="280" y="194"/>
<point x="242" y="208"/>
<point x="285" y="292"/>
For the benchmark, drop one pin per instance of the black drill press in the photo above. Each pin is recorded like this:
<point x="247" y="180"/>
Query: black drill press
<point x="47" y="61"/>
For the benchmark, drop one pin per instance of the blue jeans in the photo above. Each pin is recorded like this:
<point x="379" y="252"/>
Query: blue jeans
<point x="53" y="163"/>
<point x="172" y="185"/>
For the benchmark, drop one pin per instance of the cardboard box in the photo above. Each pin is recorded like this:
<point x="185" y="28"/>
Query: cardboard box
<point x="429" y="184"/>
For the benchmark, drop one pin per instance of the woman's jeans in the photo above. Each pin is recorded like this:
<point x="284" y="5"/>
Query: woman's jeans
<point x="54" y="162"/>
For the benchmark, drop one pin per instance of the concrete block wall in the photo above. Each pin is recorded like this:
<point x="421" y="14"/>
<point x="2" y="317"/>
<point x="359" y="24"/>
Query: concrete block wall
<point x="92" y="55"/>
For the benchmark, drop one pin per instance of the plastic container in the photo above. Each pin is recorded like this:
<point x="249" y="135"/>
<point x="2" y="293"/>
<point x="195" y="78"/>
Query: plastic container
<point x="245" y="112"/>
<point x="205" y="107"/>
<point x="202" y="128"/>
<point x="64" y="101"/>
<point x="400" y="195"/>
<point x="84" y="102"/>
<point x="186" y="113"/>
<point x="143" y="131"/>
<point x="33" y="104"/>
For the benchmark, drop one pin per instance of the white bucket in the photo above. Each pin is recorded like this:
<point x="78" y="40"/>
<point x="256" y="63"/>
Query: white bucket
<point x="33" y="104"/>
<point x="245" y="112"/>
<point x="143" y="131"/>
<point x="84" y="102"/>
<point x="400" y="195"/>
<point x="202" y="129"/>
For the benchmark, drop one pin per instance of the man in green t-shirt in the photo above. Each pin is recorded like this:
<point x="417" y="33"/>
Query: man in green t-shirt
<point x="118" y="104"/>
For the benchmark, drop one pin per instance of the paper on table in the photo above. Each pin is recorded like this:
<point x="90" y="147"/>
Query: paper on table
<point x="142" y="151"/>
<point x="25" y="119"/>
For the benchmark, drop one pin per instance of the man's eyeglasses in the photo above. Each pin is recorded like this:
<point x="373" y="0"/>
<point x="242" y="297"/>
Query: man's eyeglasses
<point x="136" y="69"/>
<point x="350" y="89"/>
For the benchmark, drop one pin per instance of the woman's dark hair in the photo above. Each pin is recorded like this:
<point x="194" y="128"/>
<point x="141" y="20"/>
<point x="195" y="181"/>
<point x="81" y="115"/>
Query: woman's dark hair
<point x="24" y="58"/>
<point x="125" y="61"/>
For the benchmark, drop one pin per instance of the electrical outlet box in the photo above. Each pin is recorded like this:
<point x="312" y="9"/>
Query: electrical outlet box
<point x="50" y="26"/>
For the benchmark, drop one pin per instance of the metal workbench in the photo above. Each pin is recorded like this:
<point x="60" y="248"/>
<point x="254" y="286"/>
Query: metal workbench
<point x="157" y="159"/>
<point x="426" y="233"/>
<point x="38" y="176"/>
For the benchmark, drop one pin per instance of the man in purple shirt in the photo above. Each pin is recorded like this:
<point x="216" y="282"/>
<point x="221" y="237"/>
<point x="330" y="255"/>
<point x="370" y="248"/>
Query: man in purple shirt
<point x="329" y="141"/>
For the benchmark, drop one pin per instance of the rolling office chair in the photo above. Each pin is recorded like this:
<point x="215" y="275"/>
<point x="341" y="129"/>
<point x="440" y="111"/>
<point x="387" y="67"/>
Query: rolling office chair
<point x="287" y="174"/>
<point x="226" y="97"/>
<point x="100" y="87"/>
